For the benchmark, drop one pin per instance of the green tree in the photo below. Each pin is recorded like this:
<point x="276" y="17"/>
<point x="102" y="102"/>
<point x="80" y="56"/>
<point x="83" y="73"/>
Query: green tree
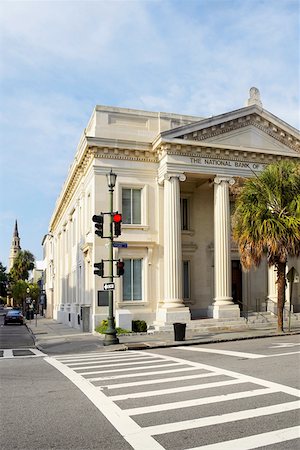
<point x="19" y="291"/>
<point x="266" y="222"/>
<point x="23" y="263"/>
<point x="3" y="280"/>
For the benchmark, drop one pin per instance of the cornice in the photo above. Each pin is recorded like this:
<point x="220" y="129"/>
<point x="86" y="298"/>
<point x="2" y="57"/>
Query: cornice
<point x="79" y="168"/>
<point x="276" y="132"/>
<point x="127" y="154"/>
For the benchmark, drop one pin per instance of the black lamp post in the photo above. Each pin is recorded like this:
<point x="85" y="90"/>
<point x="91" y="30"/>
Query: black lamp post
<point x="111" y="332"/>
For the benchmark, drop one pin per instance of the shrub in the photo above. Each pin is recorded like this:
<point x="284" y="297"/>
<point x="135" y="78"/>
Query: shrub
<point x="103" y="327"/>
<point x="139" y="326"/>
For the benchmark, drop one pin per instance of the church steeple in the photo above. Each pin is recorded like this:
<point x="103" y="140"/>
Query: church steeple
<point x="15" y="246"/>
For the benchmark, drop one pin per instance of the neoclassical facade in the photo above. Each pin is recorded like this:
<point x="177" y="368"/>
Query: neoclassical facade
<point x="175" y="189"/>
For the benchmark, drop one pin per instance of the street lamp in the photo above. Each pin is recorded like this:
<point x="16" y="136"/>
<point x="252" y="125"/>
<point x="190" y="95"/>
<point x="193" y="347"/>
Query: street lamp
<point x="111" y="332"/>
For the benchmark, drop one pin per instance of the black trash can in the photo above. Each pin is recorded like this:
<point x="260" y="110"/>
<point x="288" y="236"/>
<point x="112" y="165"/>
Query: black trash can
<point x="179" y="331"/>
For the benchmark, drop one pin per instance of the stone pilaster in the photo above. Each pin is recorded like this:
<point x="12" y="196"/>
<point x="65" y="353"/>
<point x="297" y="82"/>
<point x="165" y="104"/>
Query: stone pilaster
<point x="223" y="306"/>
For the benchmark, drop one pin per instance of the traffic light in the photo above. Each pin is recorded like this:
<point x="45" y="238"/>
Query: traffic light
<point x="120" y="268"/>
<point x="117" y="219"/>
<point x="99" y="269"/>
<point x="98" y="224"/>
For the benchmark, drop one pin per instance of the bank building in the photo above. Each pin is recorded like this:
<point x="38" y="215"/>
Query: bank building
<point x="175" y="187"/>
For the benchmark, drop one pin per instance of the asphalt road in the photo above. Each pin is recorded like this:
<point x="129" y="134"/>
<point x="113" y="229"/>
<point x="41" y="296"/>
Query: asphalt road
<point x="14" y="335"/>
<point x="231" y="395"/>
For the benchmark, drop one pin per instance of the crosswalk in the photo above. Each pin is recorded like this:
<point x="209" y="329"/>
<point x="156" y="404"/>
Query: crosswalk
<point x="164" y="402"/>
<point x="20" y="353"/>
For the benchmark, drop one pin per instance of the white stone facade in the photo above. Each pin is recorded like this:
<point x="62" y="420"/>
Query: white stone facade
<point x="174" y="175"/>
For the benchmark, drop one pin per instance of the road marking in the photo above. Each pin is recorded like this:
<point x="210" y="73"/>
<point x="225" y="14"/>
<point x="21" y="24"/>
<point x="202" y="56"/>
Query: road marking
<point x="142" y="437"/>
<point x="177" y="390"/>
<point x="224" y="352"/>
<point x="255" y="441"/>
<point x="104" y="356"/>
<point x="236" y="354"/>
<point x="246" y="378"/>
<point x="198" y="401"/>
<point x="114" y="364"/>
<point x="9" y="353"/>
<point x="144" y="374"/>
<point x="128" y="428"/>
<point x="223" y="418"/>
<point x="158" y="381"/>
<point x="284" y="344"/>
<point x="74" y="362"/>
<point x="126" y="370"/>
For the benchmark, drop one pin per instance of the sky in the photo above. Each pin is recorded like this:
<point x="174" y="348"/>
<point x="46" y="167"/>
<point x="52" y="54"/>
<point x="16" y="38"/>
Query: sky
<point x="58" y="59"/>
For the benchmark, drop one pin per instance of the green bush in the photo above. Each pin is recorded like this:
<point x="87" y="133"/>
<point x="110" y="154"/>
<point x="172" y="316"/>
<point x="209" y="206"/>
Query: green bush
<point x="139" y="326"/>
<point x="103" y="327"/>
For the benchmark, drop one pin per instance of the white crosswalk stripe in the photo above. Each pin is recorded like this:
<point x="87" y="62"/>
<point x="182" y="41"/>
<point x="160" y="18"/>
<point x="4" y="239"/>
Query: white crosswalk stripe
<point x="168" y="396"/>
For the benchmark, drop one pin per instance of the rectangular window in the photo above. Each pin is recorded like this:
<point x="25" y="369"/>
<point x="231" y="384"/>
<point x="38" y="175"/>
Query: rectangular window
<point x="186" y="279"/>
<point x="132" y="280"/>
<point x="184" y="212"/>
<point x="131" y="206"/>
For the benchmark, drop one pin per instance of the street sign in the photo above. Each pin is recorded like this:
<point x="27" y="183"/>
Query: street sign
<point x="109" y="286"/>
<point x="120" y="244"/>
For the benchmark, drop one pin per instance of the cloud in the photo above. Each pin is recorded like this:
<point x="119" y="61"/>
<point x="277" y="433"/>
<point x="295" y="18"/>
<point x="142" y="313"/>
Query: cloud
<point x="61" y="58"/>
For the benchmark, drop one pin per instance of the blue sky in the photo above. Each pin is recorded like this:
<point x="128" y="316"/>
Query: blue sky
<point x="59" y="59"/>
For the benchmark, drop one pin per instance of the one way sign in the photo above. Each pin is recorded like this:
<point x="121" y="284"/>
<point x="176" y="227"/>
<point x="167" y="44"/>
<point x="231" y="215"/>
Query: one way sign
<point x="109" y="286"/>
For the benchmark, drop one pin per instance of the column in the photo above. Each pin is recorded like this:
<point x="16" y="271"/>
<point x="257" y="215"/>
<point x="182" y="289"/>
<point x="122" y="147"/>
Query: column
<point x="172" y="241"/>
<point x="172" y="308"/>
<point x="223" y="306"/>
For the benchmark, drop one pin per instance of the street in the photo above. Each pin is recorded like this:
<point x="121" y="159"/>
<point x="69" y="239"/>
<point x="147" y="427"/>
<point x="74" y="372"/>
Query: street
<point x="231" y="395"/>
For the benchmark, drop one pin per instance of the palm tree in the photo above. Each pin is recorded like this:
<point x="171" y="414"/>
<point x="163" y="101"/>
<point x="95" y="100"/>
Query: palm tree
<point x="23" y="263"/>
<point x="266" y="221"/>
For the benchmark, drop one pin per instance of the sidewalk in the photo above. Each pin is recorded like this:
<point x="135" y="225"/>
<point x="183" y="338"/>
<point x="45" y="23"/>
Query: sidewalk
<point x="49" y="332"/>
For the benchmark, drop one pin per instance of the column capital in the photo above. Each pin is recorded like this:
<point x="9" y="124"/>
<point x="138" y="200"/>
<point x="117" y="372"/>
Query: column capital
<point x="169" y="175"/>
<point x="221" y="178"/>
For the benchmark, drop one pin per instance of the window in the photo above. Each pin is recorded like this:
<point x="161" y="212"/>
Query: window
<point x="132" y="280"/>
<point x="186" y="279"/>
<point x="185" y="213"/>
<point x="131" y="206"/>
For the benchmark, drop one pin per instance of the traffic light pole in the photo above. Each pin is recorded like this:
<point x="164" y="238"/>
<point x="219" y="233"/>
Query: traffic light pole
<point x="111" y="332"/>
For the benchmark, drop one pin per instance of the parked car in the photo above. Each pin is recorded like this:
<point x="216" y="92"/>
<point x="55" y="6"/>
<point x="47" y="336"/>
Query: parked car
<point x="14" y="316"/>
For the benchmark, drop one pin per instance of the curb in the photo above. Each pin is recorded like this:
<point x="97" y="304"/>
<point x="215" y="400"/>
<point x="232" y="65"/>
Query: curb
<point x="147" y="346"/>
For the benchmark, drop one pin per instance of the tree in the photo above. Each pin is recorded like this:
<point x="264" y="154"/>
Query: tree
<point x="19" y="291"/>
<point x="266" y="222"/>
<point x="23" y="263"/>
<point x="3" y="280"/>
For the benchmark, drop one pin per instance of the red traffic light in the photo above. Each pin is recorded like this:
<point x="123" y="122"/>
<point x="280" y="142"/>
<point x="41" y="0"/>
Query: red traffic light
<point x="117" y="218"/>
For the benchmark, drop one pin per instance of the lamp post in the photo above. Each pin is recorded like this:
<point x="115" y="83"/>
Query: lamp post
<point x="111" y="332"/>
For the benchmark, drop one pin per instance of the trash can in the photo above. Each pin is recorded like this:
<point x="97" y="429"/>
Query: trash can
<point x="179" y="331"/>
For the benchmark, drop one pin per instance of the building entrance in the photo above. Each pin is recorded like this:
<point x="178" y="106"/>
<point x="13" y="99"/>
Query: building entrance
<point x="237" y="288"/>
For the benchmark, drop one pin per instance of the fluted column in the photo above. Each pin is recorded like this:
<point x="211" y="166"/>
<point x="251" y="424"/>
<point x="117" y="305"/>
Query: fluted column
<point x="223" y="305"/>
<point x="172" y="241"/>
<point x="222" y="259"/>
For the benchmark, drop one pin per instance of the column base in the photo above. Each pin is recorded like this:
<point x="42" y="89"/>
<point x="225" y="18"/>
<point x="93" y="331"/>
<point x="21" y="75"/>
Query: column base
<point x="224" y="311"/>
<point x="165" y="317"/>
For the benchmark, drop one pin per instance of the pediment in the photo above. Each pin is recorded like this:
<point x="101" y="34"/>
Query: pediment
<point x="249" y="137"/>
<point x="249" y="127"/>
